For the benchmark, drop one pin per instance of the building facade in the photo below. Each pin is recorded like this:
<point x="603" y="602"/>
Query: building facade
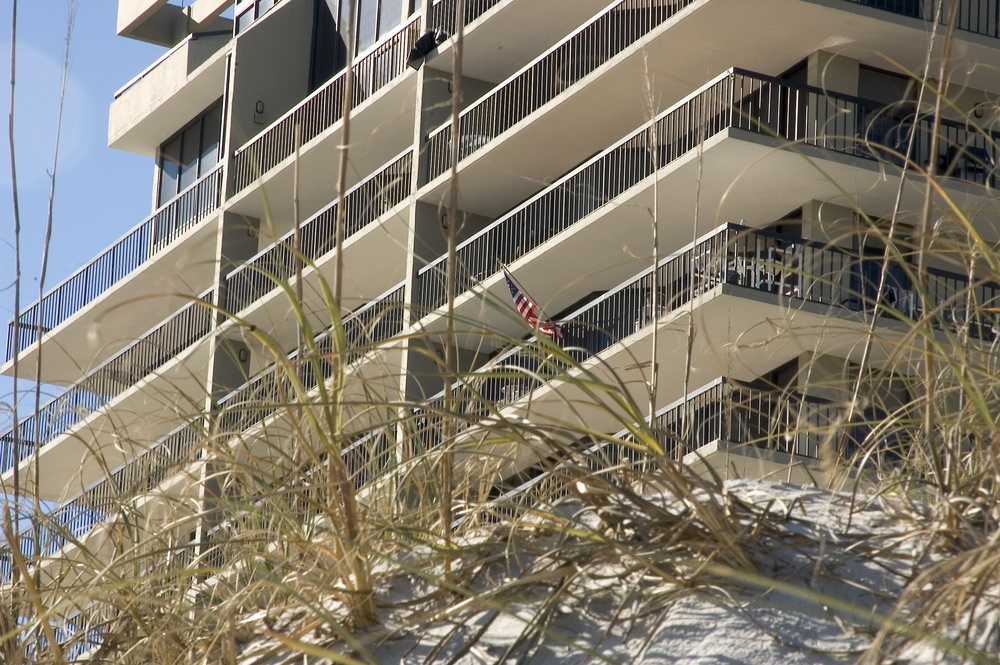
<point x="779" y="148"/>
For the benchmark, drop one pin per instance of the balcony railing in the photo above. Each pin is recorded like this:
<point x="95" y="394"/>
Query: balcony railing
<point x="76" y="518"/>
<point x="737" y="99"/>
<point x="443" y="13"/>
<point x="738" y="256"/>
<point x="365" y="203"/>
<point x="161" y="228"/>
<point x="305" y="490"/>
<point x="727" y="411"/>
<point x="739" y="413"/>
<point x="73" y="520"/>
<point x="981" y="17"/>
<point x="256" y="400"/>
<point x="272" y="389"/>
<point x="323" y="108"/>
<point x="590" y="47"/>
<point x="108" y="381"/>
<point x="555" y="209"/>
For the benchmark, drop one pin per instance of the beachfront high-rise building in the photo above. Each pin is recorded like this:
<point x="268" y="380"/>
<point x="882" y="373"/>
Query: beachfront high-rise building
<point x="774" y="145"/>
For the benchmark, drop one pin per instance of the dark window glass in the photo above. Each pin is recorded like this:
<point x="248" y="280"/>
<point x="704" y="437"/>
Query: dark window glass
<point x="389" y="16"/>
<point x="211" y="135"/>
<point x="190" y="152"/>
<point x="329" y="48"/>
<point x="190" y="155"/>
<point x="367" y="23"/>
<point x="170" y="167"/>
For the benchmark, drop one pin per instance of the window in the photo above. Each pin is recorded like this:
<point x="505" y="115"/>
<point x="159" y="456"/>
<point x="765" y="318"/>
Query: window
<point x="190" y="154"/>
<point x="375" y="20"/>
<point x="248" y="11"/>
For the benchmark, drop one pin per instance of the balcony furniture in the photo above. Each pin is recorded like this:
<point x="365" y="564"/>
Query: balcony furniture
<point x="968" y="162"/>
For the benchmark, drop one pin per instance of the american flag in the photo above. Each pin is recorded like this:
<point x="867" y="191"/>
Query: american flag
<point x="529" y="311"/>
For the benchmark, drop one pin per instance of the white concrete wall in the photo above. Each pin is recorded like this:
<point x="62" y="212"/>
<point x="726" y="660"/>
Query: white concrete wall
<point x="272" y="67"/>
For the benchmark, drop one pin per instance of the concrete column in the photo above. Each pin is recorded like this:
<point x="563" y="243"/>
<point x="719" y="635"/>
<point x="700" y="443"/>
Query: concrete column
<point x="230" y="362"/>
<point x="238" y="241"/>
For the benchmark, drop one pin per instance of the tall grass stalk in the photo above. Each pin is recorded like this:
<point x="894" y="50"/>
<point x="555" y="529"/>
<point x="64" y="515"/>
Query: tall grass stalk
<point x="447" y="461"/>
<point x="364" y="612"/>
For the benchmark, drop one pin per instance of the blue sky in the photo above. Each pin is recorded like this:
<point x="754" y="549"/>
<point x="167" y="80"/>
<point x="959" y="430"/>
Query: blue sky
<point x="100" y="193"/>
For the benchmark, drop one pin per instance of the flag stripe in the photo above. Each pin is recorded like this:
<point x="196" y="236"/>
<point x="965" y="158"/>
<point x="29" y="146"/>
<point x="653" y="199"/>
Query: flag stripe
<point x="529" y="311"/>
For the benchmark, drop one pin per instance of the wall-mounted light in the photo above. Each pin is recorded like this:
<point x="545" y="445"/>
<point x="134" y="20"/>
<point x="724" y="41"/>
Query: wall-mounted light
<point x="243" y="354"/>
<point x="444" y="221"/>
<point x="978" y="111"/>
<point x="258" y="112"/>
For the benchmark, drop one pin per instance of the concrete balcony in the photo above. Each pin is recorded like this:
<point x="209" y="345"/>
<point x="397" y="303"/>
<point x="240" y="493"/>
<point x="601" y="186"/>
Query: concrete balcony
<point x="384" y="101"/>
<point x="143" y="380"/>
<point x="736" y="428"/>
<point x="785" y="296"/>
<point x="140" y="477"/>
<point x="180" y="85"/>
<point x="759" y="149"/>
<point x="518" y="29"/>
<point x="381" y="126"/>
<point x="646" y="61"/>
<point x="376" y="219"/>
<point x="258" y="418"/>
<point x="163" y="23"/>
<point x="114" y="414"/>
<point x="249" y="416"/>
<point x="93" y="314"/>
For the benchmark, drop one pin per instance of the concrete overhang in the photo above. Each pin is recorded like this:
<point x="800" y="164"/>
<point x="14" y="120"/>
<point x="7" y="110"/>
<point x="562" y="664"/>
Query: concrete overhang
<point x="174" y="89"/>
<point x="159" y="22"/>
